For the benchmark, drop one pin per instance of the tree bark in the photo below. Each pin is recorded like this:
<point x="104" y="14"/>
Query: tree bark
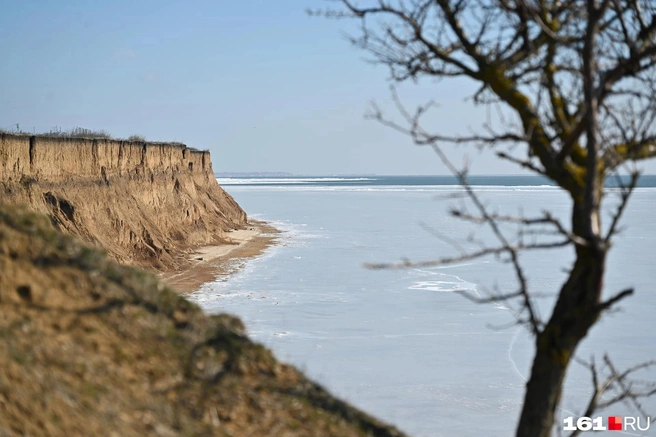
<point x="575" y="312"/>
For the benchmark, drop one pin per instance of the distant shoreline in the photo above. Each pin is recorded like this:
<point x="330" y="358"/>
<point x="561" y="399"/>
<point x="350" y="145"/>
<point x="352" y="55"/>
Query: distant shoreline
<point x="645" y="181"/>
<point x="252" y="174"/>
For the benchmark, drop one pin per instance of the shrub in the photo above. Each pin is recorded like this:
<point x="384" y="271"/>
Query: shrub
<point x="136" y="137"/>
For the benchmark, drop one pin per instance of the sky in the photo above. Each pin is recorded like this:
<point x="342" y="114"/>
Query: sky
<point x="259" y="83"/>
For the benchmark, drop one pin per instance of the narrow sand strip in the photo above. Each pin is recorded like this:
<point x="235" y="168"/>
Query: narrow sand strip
<point x="208" y="263"/>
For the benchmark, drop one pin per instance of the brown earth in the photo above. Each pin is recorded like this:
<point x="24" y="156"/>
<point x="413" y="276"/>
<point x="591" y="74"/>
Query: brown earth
<point x="146" y="204"/>
<point x="92" y="348"/>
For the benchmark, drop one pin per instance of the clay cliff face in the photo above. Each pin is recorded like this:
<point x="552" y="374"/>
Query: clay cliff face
<point x="145" y="203"/>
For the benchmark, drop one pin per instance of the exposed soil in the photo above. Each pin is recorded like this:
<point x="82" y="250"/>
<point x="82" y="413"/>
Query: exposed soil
<point x="146" y="204"/>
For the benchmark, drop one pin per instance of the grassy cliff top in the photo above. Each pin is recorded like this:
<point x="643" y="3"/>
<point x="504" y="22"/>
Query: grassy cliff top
<point x="102" y="136"/>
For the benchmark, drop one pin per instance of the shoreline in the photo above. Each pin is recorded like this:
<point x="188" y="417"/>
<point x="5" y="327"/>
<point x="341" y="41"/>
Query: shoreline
<point x="208" y="263"/>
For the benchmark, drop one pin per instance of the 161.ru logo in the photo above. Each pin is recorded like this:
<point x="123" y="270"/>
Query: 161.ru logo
<point x="614" y="423"/>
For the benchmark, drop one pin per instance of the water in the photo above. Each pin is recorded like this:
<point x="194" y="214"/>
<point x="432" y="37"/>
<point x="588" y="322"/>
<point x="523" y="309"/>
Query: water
<point x="401" y="344"/>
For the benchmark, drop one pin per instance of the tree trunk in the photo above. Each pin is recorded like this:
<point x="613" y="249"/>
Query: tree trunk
<point x="575" y="312"/>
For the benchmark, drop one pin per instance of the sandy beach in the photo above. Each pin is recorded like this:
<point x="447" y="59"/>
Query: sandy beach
<point x="208" y="263"/>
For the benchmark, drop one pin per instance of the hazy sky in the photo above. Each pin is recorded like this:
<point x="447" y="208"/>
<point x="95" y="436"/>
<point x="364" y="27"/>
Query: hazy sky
<point x="260" y="84"/>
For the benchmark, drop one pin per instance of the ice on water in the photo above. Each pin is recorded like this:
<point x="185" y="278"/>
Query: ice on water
<point x="405" y="345"/>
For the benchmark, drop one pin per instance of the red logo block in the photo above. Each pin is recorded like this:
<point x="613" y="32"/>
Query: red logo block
<point x="615" y="423"/>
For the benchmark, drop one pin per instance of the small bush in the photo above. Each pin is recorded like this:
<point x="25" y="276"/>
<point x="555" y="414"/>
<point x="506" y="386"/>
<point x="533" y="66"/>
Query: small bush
<point x="136" y="137"/>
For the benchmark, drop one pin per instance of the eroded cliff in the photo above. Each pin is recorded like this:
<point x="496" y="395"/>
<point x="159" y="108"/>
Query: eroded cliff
<point x="145" y="203"/>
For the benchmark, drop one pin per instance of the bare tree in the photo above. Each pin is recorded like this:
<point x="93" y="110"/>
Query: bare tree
<point x="574" y="85"/>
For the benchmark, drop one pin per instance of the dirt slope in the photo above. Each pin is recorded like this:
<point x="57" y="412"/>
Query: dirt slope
<point x="92" y="348"/>
<point x="145" y="203"/>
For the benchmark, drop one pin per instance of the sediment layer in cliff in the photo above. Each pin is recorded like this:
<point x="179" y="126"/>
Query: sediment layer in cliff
<point x="145" y="203"/>
<point x="92" y="348"/>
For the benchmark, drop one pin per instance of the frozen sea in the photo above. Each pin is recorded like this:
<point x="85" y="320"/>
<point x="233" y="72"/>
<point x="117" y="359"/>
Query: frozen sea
<point x="400" y="344"/>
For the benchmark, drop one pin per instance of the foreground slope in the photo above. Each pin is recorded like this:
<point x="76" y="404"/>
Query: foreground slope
<point x="89" y="347"/>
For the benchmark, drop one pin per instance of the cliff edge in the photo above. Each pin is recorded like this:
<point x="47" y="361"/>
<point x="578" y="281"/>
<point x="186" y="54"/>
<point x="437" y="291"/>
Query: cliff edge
<point x="145" y="203"/>
<point x="92" y="348"/>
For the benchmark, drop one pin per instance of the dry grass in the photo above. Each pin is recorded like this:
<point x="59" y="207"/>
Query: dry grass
<point x="77" y="132"/>
<point x="88" y="347"/>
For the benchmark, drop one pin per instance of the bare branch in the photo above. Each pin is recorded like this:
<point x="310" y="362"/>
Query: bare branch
<point x="625" y="194"/>
<point x="613" y="300"/>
